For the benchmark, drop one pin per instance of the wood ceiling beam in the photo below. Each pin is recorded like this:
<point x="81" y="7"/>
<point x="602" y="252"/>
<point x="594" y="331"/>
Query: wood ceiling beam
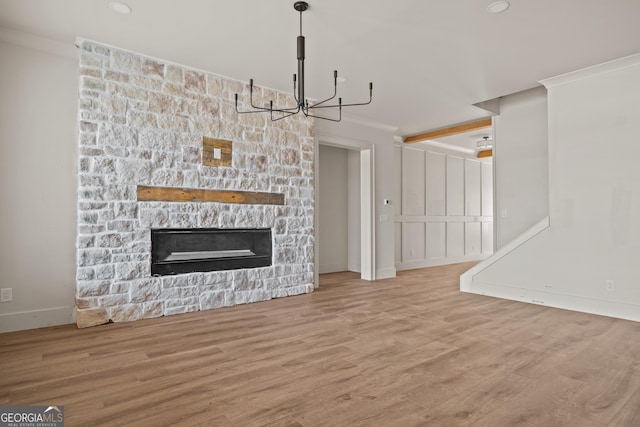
<point x="485" y="153"/>
<point x="453" y="130"/>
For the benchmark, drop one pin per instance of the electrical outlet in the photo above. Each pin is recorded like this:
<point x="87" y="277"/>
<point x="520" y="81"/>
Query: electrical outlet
<point x="609" y="285"/>
<point x="6" y="294"/>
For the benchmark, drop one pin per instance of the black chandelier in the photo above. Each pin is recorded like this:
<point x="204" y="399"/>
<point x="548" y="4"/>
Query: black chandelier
<point x="298" y="86"/>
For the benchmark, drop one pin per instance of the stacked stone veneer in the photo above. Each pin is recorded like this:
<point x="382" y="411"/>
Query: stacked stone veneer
<point x="141" y="122"/>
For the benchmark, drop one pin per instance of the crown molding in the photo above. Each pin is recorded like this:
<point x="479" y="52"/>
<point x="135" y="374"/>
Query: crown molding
<point x="606" y="67"/>
<point x="42" y="44"/>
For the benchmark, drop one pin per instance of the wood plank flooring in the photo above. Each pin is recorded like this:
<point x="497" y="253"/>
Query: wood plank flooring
<point x="409" y="351"/>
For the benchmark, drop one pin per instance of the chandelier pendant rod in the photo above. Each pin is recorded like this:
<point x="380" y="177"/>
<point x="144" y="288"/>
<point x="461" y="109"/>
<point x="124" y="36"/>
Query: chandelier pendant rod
<point x="300" y="7"/>
<point x="302" y="104"/>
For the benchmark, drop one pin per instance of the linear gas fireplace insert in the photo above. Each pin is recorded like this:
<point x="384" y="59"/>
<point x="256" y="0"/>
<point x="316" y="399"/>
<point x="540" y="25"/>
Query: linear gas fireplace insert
<point x="189" y="250"/>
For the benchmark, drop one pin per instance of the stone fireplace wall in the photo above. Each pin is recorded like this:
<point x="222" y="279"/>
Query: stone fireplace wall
<point x="141" y="122"/>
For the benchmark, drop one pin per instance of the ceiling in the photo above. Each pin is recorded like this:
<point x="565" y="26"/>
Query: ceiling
<point x="429" y="60"/>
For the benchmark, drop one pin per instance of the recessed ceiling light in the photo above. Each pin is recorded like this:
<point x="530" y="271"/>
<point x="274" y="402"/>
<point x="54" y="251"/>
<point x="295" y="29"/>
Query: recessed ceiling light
<point x="122" y="8"/>
<point x="498" y="6"/>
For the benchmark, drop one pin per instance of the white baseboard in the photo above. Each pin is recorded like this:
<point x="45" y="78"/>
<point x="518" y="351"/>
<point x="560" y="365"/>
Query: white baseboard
<point x="578" y="303"/>
<point x="424" y="263"/>
<point x="332" y="268"/>
<point x="385" y="273"/>
<point x="469" y="283"/>
<point x="12" y="322"/>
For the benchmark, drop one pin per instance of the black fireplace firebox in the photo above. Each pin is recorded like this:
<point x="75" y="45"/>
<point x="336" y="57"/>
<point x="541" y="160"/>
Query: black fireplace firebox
<point x="189" y="250"/>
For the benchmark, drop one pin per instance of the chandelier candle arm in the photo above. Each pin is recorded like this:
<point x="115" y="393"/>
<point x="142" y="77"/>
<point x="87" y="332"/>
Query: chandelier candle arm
<point x="302" y="104"/>
<point x="348" y="105"/>
<point x="335" y="90"/>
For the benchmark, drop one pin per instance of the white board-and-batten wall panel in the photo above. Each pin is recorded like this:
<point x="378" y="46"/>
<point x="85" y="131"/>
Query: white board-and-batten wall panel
<point x="444" y="208"/>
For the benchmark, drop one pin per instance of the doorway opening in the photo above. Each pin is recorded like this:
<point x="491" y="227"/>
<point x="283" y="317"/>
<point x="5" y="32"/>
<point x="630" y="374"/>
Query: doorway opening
<point x="344" y="198"/>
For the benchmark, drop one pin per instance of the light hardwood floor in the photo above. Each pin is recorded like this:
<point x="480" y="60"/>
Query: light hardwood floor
<point x="400" y="352"/>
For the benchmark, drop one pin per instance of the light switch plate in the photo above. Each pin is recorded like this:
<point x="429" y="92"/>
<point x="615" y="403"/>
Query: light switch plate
<point x="6" y="294"/>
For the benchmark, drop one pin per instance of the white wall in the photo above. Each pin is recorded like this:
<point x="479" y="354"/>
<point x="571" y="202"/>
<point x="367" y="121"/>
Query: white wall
<point x="594" y="187"/>
<point x="445" y="210"/>
<point x="38" y="109"/>
<point x="353" y="211"/>
<point x="521" y="164"/>
<point x="333" y="199"/>
<point x="356" y="134"/>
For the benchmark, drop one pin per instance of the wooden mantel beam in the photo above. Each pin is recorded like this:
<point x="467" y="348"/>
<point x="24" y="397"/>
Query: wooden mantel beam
<point x="453" y="130"/>
<point x="171" y="194"/>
